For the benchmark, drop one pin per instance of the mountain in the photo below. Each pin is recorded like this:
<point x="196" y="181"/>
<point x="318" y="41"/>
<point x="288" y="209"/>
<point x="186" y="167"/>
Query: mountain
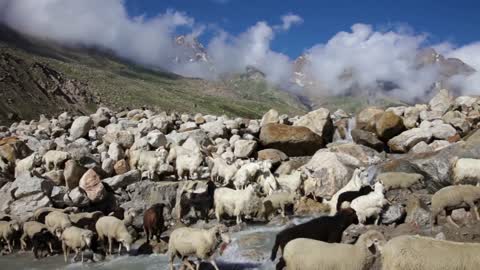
<point x="42" y="77"/>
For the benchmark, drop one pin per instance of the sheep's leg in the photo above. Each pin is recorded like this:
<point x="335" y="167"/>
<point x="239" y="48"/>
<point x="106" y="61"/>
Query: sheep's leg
<point x="51" y="248"/>
<point x="76" y="255"/>
<point x="283" y="211"/>
<point x="450" y="220"/>
<point x="66" y="251"/>
<point x="23" y="243"/>
<point x="110" y="246"/>
<point x="239" y="219"/>
<point x="474" y="208"/>
<point x="82" y="255"/>
<point x="188" y="264"/>
<point x="119" y="248"/>
<point x="212" y="261"/>
<point x="9" y="244"/>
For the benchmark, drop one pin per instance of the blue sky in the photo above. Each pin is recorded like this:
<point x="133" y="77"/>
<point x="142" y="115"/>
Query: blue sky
<point x="453" y="21"/>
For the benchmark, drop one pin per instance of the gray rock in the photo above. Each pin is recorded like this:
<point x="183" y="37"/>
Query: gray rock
<point x="26" y="185"/>
<point x="108" y="166"/>
<point x="417" y="212"/>
<point x="80" y="127"/>
<point x="214" y="129"/>
<point x="441" y="102"/>
<point x="76" y="197"/>
<point x="124" y="138"/>
<point x="368" y="139"/>
<point x="408" y="139"/>
<point x="393" y="214"/>
<point x="72" y="173"/>
<point x="269" y="117"/>
<point x="156" y="139"/>
<point x="458" y="120"/>
<point x="123" y="180"/>
<point x="115" y="151"/>
<point x="25" y="206"/>
<point x="318" y="121"/>
<point x="58" y="195"/>
<point x="244" y="148"/>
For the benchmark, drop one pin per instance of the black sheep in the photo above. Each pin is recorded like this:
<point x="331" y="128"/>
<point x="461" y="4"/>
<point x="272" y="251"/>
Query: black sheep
<point x="42" y="241"/>
<point x="349" y="196"/>
<point x="201" y="202"/>
<point x="326" y="228"/>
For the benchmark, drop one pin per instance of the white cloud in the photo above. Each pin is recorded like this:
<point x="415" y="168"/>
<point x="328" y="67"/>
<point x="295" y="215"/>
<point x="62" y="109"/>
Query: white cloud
<point x="288" y="21"/>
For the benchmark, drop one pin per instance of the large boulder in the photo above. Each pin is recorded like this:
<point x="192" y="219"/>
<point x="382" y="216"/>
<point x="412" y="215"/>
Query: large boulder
<point x="367" y="118"/>
<point x="389" y="125"/>
<point x="92" y="185"/>
<point x="292" y="140"/>
<point x="80" y="127"/>
<point x="408" y="139"/>
<point x="365" y="155"/>
<point x="441" y="102"/>
<point x="72" y="174"/>
<point x="368" y="139"/>
<point x="26" y="206"/>
<point x="270" y="117"/>
<point x="244" y="148"/>
<point x="318" y="121"/>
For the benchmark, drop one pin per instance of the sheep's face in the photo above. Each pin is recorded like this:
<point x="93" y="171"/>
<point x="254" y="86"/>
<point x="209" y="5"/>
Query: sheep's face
<point x="14" y="226"/>
<point x="374" y="241"/>
<point x="58" y="232"/>
<point x="87" y="238"/>
<point x="126" y="241"/>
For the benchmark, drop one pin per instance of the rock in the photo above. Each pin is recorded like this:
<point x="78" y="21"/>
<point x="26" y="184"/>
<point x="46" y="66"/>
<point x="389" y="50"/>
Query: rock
<point x="121" y="167"/>
<point x="72" y="174"/>
<point x="411" y="116"/>
<point x="318" y="121"/>
<point x="368" y="139"/>
<point x="108" y="166"/>
<point x="214" y="129"/>
<point x="123" y="138"/>
<point x="145" y="193"/>
<point x="253" y="127"/>
<point x="287" y="167"/>
<point x="440" y="236"/>
<point x="244" y="148"/>
<point x="156" y="139"/>
<point x="199" y="119"/>
<point x="274" y="155"/>
<point x="92" y="185"/>
<point x="12" y="148"/>
<point x="367" y="118"/>
<point x="417" y="212"/>
<point x="58" y="195"/>
<point x="441" y="102"/>
<point x="408" y="139"/>
<point x="393" y="214"/>
<point x="292" y="140"/>
<point x="465" y="103"/>
<point x="308" y="207"/>
<point x="458" y="120"/>
<point x="430" y="115"/>
<point x="115" y="151"/>
<point x="328" y="175"/>
<point x="443" y="131"/>
<point x="123" y="180"/>
<point x="25" y="206"/>
<point x="365" y="156"/>
<point x="188" y="126"/>
<point x="80" y="127"/>
<point x="271" y="117"/>
<point x="389" y="125"/>
<point x="76" y="197"/>
<point x="56" y="177"/>
<point x="26" y="185"/>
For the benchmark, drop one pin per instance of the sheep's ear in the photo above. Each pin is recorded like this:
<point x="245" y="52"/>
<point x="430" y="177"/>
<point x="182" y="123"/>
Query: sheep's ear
<point x="371" y="246"/>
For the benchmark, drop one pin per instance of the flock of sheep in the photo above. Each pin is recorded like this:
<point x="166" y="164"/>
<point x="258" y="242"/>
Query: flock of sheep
<point x="240" y="188"/>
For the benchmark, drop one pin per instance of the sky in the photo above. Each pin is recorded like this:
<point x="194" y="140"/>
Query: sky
<point x="348" y="44"/>
<point x="445" y="20"/>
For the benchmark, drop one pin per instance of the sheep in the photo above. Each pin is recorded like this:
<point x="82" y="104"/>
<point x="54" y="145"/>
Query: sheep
<point x="85" y="220"/>
<point x="291" y="182"/>
<point x="30" y="228"/>
<point x="76" y="239"/>
<point x="466" y="171"/>
<point x="201" y="202"/>
<point x="248" y="172"/>
<point x="399" y="180"/>
<point x="233" y="202"/>
<point x="41" y="241"/>
<point x="414" y="252"/>
<point x="349" y="196"/>
<point x="57" y="221"/>
<point x="7" y="232"/>
<point x="454" y="197"/>
<point x="221" y="169"/>
<point x="278" y="201"/>
<point x="189" y="163"/>
<point x="326" y="228"/>
<point x="40" y="213"/>
<point x="27" y="164"/>
<point x="370" y="205"/>
<point x="176" y="151"/>
<point x="201" y="243"/>
<point x="308" y="254"/>
<point x="153" y="221"/>
<point x="358" y="180"/>
<point x="268" y="182"/>
<point x="149" y="161"/>
<point x="55" y="158"/>
<point x="112" y="228"/>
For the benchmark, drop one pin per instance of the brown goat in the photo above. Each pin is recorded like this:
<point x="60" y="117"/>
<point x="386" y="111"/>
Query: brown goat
<point x="153" y="222"/>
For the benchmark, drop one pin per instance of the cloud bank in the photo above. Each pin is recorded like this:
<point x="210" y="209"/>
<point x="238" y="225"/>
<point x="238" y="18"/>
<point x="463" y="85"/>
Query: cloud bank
<point x="362" y="58"/>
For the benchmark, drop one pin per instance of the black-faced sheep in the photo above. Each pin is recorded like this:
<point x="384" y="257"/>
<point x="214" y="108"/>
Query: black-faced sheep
<point x="153" y="221"/>
<point x="7" y="232"/>
<point x="111" y="228"/>
<point x="455" y="197"/>
<point x="76" y="239"/>
<point x="201" y="243"/>
<point x="326" y="228"/>
<point x="308" y="254"/>
<point x="42" y="241"/>
<point x="349" y="196"/>
<point x="408" y="252"/>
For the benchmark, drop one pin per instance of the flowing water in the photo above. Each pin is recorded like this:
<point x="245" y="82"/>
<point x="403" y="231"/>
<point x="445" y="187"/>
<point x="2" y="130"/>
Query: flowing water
<point x="249" y="249"/>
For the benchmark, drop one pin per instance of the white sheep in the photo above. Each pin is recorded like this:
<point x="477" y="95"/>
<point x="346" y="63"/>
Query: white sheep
<point x="40" y="213"/>
<point x="54" y="158"/>
<point x="291" y="182"/>
<point x="454" y="197"/>
<point x="399" y="180"/>
<point x="234" y="202"/>
<point x="189" y="163"/>
<point x="113" y="228"/>
<point x="27" y="164"/>
<point x="76" y="239"/>
<point x="149" y="161"/>
<point x="358" y="180"/>
<point x="30" y="228"/>
<point x="221" y="169"/>
<point x="7" y="231"/>
<point x="268" y="182"/>
<point x="370" y="205"/>
<point x="277" y="201"/>
<point x="175" y="151"/>
<point x="201" y="243"/>
<point x="414" y="252"/>
<point x="309" y="254"/>
<point x="57" y="222"/>
<point x="248" y="172"/>
<point x="466" y="171"/>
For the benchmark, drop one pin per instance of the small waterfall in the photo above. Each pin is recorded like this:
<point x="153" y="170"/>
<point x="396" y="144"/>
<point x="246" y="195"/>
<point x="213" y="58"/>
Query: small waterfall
<point x="350" y="125"/>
